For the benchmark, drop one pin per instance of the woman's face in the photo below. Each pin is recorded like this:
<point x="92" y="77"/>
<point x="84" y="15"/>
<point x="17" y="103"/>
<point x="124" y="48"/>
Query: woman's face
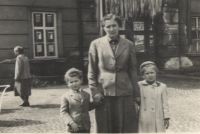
<point x="16" y="52"/>
<point x="111" y="28"/>
<point x="149" y="74"/>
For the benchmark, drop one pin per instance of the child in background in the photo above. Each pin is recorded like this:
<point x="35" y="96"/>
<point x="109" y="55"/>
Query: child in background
<point x="154" y="112"/>
<point x="75" y="104"/>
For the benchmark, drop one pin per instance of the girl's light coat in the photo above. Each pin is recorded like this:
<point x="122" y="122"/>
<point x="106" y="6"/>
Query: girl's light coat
<point x="154" y="107"/>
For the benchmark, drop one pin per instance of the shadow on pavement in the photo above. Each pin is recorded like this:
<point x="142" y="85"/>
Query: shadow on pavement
<point x="7" y="111"/>
<point x="18" y="122"/>
<point x="46" y="106"/>
<point x="184" y="84"/>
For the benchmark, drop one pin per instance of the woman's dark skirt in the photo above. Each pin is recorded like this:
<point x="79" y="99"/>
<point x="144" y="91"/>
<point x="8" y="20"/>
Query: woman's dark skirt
<point x="116" y="115"/>
<point x="22" y="87"/>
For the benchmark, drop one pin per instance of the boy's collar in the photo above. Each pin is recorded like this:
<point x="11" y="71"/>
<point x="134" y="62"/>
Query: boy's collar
<point x="156" y="83"/>
<point x="80" y="90"/>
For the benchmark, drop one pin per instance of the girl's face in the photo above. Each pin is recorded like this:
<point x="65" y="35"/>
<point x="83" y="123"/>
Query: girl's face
<point x="111" y="28"/>
<point x="149" y="74"/>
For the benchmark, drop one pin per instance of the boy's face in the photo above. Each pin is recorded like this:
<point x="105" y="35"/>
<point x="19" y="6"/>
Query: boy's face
<point x="149" y="74"/>
<point x="74" y="83"/>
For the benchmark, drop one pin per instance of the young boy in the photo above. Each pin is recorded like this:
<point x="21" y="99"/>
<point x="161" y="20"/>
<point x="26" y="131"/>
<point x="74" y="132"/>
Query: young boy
<point x="75" y="104"/>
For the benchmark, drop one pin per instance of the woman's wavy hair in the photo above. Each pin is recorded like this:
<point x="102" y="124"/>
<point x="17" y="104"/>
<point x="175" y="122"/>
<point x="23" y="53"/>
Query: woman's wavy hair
<point x="110" y="17"/>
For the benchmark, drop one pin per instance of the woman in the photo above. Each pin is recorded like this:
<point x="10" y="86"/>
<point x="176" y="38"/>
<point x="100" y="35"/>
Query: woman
<point x="112" y="77"/>
<point x="22" y="76"/>
<point x="22" y="83"/>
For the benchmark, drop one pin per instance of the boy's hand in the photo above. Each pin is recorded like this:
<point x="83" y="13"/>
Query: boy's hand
<point x="166" y="123"/>
<point x="75" y="127"/>
<point x="97" y="98"/>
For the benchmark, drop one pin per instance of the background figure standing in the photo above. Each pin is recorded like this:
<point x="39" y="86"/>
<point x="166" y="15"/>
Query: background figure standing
<point x="22" y="77"/>
<point x="112" y="77"/>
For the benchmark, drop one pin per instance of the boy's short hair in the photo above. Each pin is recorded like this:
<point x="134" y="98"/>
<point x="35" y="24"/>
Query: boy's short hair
<point x="147" y="64"/>
<point x="110" y="17"/>
<point x="73" y="72"/>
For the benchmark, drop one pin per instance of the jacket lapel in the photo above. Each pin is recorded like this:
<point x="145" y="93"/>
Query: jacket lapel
<point x="83" y="95"/>
<point x="121" y="47"/>
<point x="106" y="46"/>
<point x="74" y="96"/>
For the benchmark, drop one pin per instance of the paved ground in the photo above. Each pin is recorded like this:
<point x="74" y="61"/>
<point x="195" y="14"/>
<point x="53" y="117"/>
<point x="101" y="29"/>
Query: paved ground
<point x="43" y="115"/>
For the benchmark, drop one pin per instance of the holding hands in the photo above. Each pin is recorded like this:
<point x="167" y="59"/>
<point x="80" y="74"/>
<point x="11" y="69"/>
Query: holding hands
<point x="75" y="127"/>
<point x="97" y="98"/>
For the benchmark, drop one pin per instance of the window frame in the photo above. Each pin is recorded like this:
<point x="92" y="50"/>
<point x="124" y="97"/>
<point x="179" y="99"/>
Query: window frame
<point x="197" y="39"/>
<point x="45" y="29"/>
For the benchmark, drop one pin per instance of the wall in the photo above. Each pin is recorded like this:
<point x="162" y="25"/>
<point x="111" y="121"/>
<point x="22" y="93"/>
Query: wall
<point x="76" y="28"/>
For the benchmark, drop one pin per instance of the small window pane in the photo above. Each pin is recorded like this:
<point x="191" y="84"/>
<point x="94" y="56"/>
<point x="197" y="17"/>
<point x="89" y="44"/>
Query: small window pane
<point x="193" y="46"/>
<point x="193" y="34"/>
<point x="198" y="22"/>
<point x="151" y="41"/>
<point x="49" y="20"/>
<point x="38" y="21"/>
<point x="193" y="23"/>
<point x="123" y="25"/>
<point x="50" y="49"/>
<point x="139" y="43"/>
<point x="50" y="36"/>
<point x="170" y="17"/>
<point x="198" y="44"/>
<point x="39" y="49"/>
<point x="38" y="35"/>
<point x="138" y="26"/>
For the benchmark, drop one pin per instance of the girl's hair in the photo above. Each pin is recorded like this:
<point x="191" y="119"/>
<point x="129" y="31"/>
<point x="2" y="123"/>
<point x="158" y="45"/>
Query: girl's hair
<point x="146" y="65"/>
<point x="19" y="49"/>
<point x="73" y="72"/>
<point x="110" y="17"/>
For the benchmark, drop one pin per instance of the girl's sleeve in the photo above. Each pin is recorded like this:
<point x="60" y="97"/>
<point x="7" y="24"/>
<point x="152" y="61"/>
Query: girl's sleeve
<point x="64" y="110"/>
<point x="165" y="103"/>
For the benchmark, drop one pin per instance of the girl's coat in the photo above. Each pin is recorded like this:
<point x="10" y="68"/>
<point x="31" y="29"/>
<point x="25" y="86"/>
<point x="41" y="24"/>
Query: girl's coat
<point x="153" y="108"/>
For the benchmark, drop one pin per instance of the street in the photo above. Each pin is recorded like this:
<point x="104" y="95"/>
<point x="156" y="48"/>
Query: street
<point x="43" y="114"/>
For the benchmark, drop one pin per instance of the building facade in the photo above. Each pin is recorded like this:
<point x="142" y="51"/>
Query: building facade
<point x="56" y="34"/>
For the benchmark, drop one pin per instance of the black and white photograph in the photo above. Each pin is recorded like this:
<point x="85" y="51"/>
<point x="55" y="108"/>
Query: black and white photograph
<point x="100" y="66"/>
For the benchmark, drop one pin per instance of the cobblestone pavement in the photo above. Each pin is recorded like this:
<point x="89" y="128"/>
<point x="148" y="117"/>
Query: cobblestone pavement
<point x="43" y="115"/>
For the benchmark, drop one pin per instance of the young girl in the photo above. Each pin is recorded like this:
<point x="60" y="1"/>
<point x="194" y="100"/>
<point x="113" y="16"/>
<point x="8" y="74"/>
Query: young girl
<point x="154" y="112"/>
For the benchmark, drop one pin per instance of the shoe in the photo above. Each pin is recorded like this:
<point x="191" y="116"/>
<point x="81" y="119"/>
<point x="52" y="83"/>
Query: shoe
<point x="22" y="104"/>
<point x="25" y="104"/>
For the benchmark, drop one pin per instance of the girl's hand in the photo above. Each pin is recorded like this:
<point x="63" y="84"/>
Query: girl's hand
<point x="137" y="100"/>
<point x="75" y="127"/>
<point x="166" y="123"/>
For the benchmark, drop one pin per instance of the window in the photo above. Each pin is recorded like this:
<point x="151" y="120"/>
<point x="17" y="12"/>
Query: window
<point x="195" y="35"/>
<point x="44" y="34"/>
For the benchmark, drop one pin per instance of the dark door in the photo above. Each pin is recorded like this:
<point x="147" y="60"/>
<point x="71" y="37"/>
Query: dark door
<point x="140" y="31"/>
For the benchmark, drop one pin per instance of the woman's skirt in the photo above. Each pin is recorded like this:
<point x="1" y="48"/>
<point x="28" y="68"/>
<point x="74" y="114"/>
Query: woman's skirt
<point x="22" y="87"/>
<point x="116" y="115"/>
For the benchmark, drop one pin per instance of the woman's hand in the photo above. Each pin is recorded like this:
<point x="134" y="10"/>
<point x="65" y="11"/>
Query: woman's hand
<point x="97" y="98"/>
<point x="166" y="123"/>
<point x="75" y="127"/>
